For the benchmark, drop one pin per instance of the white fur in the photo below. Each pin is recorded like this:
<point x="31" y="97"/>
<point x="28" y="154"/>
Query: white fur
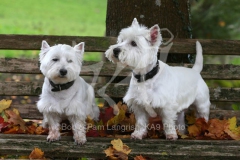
<point x="74" y="103"/>
<point x="169" y="92"/>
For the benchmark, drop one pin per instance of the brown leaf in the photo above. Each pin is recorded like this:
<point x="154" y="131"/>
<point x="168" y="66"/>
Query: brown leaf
<point x="16" y="119"/>
<point x="14" y="130"/>
<point x="120" y="155"/>
<point x="118" y="151"/>
<point x="199" y="128"/>
<point x="216" y="129"/>
<point x="37" y="154"/>
<point x="139" y="158"/>
<point x="41" y="131"/>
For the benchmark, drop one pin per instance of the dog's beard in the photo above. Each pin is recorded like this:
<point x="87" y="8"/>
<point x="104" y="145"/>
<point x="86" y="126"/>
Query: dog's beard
<point x="137" y="60"/>
<point x="54" y="75"/>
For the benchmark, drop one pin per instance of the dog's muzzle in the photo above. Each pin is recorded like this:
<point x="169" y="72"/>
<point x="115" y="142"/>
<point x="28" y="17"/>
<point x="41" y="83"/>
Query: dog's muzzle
<point x="116" y="52"/>
<point x="62" y="72"/>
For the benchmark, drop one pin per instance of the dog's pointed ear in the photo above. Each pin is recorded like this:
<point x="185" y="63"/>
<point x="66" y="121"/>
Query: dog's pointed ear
<point x="155" y="35"/>
<point x="135" y="22"/>
<point x="80" y="50"/>
<point x="80" y="47"/>
<point x="45" y="46"/>
<point x="44" y="49"/>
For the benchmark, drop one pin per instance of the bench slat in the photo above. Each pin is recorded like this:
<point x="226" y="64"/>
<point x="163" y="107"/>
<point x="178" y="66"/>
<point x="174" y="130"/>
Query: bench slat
<point x="33" y="42"/>
<point x="30" y="111"/>
<point x="94" y="148"/>
<point x="31" y="66"/>
<point x="112" y="90"/>
<point x="186" y="46"/>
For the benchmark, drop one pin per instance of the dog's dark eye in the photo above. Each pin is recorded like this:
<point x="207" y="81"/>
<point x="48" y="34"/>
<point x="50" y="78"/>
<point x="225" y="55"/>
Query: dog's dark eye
<point x="69" y="61"/>
<point x="133" y="43"/>
<point x="55" y="59"/>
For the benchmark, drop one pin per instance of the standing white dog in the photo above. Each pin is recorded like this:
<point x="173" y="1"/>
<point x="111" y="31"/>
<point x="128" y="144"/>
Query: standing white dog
<point x="64" y="93"/>
<point x="155" y="87"/>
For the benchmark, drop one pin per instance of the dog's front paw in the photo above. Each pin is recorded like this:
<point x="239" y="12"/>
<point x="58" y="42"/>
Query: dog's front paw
<point x="53" y="136"/>
<point x="171" y="136"/>
<point x="80" y="139"/>
<point x="139" y="134"/>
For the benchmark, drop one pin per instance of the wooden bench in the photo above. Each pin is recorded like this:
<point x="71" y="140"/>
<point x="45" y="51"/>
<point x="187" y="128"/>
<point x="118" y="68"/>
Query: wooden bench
<point x="155" y="148"/>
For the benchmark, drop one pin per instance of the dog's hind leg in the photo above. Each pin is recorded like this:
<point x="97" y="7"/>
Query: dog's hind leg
<point x="203" y="109"/>
<point x="181" y="122"/>
<point x="202" y="101"/>
<point x="169" y="117"/>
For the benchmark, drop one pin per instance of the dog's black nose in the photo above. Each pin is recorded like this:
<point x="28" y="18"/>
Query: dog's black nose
<point x="63" y="72"/>
<point x="116" y="52"/>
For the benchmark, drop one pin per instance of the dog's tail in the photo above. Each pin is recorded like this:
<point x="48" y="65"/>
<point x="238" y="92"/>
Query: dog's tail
<point x="94" y="114"/>
<point x="198" y="65"/>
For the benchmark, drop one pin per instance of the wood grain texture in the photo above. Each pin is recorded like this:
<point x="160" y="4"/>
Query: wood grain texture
<point x="101" y="44"/>
<point x="33" y="42"/>
<point x="30" y="111"/>
<point x="91" y="68"/>
<point x="94" y="148"/>
<point x="111" y="90"/>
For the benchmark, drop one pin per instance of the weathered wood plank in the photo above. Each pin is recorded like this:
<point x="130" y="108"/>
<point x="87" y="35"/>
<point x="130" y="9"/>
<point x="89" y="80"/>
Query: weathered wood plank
<point x="33" y="42"/>
<point x="185" y="46"/>
<point x="31" y="66"/>
<point x="225" y="94"/>
<point x="94" y="148"/>
<point x="30" y="111"/>
<point x="112" y="90"/>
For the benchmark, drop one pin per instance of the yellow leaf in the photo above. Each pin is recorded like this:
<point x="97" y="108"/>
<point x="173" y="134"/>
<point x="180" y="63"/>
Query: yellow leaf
<point x="117" y="144"/>
<point x="232" y="123"/>
<point x="191" y="118"/>
<point x="4" y="104"/>
<point x="183" y="136"/>
<point x="232" y="130"/>
<point x="109" y="151"/>
<point x="16" y="111"/>
<point x="126" y="149"/>
<point x="117" y="119"/>
<point x="194" y="130"/>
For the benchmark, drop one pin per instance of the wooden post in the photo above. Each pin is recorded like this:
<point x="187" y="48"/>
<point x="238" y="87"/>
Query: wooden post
<point x="171" y="14"/>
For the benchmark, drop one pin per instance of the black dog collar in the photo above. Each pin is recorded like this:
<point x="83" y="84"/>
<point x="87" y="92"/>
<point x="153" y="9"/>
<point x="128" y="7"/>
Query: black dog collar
<point x="149" y="75"/>
<point x="60" y="87"/>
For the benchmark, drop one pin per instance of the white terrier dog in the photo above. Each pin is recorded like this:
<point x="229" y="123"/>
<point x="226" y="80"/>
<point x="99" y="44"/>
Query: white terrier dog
<point x="64" y="93"/>
<point x="155" y="87"/>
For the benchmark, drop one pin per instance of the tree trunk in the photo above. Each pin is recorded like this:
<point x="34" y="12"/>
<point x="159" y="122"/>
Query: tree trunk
<point x="171" y="14"/>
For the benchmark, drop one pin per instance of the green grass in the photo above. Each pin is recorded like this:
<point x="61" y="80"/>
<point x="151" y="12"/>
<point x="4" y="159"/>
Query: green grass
<point x="52" y="17"/>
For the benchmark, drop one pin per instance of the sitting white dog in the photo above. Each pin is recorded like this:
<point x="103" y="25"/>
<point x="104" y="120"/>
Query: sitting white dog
<point x="64" y="93"/>
<point x="155" y="87"/>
